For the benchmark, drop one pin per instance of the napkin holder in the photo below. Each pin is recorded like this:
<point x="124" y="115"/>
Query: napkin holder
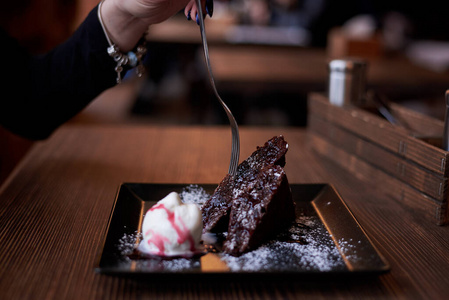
<point x="406" y="164"/>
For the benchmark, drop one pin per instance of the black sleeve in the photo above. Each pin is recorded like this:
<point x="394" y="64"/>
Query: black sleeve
<point x="39" y="93"/>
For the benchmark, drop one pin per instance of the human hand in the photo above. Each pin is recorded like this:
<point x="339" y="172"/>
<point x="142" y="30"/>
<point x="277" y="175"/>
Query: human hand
<point x="191" y="10"/>
<point x="127" y="20"/>
<point x="150" y="11"/>
<point x="156" y="11"/>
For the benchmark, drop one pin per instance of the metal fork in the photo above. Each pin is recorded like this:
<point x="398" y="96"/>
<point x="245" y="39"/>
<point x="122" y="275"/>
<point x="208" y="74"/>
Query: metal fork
<point x="235" y="151"/>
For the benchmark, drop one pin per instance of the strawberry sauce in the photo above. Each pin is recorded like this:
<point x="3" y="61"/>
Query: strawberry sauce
<point x="178" y="225"/>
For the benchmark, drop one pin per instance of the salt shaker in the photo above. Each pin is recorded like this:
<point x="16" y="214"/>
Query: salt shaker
<point x="347" y="81"/>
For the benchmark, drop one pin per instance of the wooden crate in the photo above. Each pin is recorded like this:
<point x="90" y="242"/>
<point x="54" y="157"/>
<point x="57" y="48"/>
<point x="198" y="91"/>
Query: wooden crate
<point x="406" y="162"/>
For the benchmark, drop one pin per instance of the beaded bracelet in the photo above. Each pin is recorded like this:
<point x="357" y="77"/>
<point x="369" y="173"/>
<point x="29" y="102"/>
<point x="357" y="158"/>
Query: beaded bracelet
<point x="131" y="59"/>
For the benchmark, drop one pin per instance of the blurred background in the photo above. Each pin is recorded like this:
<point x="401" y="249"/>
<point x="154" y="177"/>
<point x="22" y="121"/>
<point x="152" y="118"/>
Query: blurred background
<point x="266" y="55"/>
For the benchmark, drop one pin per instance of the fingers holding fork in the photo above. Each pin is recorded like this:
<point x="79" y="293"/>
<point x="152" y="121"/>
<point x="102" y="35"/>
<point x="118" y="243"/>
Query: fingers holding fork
<point x="191" y="11"/>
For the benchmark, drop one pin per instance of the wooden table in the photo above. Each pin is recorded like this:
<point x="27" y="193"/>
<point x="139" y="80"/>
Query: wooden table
<point x="180" y="31"/>
<point x="54" y="210"/>
<point x="264" y="66"/>
<point x="224" y="29"/>
<point x="306" y="70"/>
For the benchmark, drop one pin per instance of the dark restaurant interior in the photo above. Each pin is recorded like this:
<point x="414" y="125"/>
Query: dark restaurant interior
<point x="271" y="62"/>
<point x="398" y="35"/>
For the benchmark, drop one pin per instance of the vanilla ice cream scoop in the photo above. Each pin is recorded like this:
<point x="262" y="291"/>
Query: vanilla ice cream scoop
<point x="172" y="228"/>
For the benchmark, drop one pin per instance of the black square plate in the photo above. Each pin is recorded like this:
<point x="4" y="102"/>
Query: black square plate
<point x="326" y="240"/>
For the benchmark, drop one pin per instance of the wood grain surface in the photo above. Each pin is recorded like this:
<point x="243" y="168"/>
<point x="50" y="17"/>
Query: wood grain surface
<point x="55" y="206"/>
<point x="373" y="128"/>
<point x="306" y="69"/>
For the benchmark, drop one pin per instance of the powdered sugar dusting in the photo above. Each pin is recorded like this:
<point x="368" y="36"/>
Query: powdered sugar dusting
<point x="167" y="265"/>
<point x="127" y="246"/>
<point x="349" y="248"/>
<point x="128" y="242"/>
<point x="194" y="194"/>
<point x="311" y="251"/>
<point x="305" y="247"/>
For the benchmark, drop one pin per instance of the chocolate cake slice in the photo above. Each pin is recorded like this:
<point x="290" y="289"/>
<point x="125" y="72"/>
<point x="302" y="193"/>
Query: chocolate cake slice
<point x="261" y="211"/>
<point x="217" y="209"/>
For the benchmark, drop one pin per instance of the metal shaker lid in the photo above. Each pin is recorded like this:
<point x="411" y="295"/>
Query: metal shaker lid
<point x="347" y="65"/>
